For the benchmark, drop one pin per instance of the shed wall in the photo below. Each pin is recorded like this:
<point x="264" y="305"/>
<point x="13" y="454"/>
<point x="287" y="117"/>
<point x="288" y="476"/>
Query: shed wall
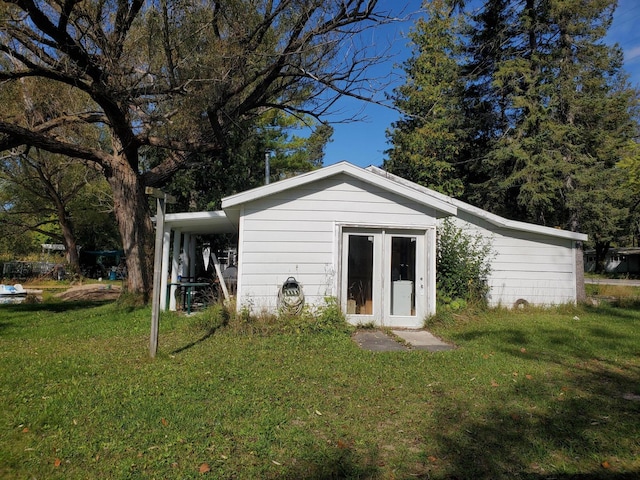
<point x="294" y="233"/>
<point x="534" y="267"/>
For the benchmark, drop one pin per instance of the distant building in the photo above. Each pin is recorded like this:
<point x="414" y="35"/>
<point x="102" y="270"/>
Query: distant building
<point x="617" y="260"/>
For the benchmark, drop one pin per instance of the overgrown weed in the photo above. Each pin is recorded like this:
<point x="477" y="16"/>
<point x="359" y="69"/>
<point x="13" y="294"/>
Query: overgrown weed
<point x="325" y="318"/>
<point x="130" y="301"/>
<point x="212" y="318"/>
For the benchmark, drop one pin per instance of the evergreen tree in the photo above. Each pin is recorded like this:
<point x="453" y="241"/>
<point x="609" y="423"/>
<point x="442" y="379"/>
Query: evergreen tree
<point x="486" y="102"/>
<point x="242" y="165"/>
<point x="568" y="120"/>
<point x="545" y="122"/>
<point x="428" y="139"/>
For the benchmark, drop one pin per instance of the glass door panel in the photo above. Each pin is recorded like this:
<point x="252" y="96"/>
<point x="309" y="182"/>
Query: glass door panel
<point x="382" y="276"/>
<point x="360" y="274"/>
<point x="402" y="276"/>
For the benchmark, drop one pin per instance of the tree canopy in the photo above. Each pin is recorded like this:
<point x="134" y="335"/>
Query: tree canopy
<point x="178" y="79"/>
<point x="427" y="139"/>
<point x="532" y="108"/>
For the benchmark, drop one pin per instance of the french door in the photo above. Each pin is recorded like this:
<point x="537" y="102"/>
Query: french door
<point x="383" y="276"/>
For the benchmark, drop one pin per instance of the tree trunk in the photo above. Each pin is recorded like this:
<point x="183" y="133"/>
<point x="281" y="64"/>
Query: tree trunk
<point x="134" y="222"/>
<point x="66" y="226"/>
<point x="70" y="245"/>
<point x="602" y="248"/>
<point x="581" y="292"/>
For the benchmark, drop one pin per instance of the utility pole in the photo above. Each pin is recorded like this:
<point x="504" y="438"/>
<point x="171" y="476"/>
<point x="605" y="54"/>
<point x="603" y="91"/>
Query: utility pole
<point x="267" y="167"/>
<point x="161" y="200"/>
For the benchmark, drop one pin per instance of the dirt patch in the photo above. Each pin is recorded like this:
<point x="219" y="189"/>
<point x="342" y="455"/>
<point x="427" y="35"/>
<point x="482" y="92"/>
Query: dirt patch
<point x="90" y="292"/>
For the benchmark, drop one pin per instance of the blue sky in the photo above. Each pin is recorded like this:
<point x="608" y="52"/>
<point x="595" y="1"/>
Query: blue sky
<point x="363" y="142"/>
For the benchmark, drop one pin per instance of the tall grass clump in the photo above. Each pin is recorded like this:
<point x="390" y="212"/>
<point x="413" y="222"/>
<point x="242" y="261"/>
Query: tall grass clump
<point x="214" y="317"/>
<point x="327" y="318"/>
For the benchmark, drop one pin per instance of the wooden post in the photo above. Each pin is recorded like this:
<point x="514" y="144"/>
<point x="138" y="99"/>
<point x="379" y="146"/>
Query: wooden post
<point x="161" y="199"/>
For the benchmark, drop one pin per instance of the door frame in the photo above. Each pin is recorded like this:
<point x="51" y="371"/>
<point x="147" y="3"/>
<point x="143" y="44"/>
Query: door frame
<point x="425" y="273"/>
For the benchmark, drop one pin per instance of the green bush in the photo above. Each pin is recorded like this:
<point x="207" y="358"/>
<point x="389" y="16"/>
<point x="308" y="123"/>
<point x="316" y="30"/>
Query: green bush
<point x="462" y="267"/>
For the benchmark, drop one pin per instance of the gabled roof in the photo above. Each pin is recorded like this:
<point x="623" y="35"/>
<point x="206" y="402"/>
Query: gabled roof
<point x="441" y="204"/>
<point x="493" y="219"/>
<point x="226" y="221"/>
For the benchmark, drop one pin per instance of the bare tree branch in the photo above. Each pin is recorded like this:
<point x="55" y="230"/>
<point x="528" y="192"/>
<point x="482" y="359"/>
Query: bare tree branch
<point x="15" y="136"/>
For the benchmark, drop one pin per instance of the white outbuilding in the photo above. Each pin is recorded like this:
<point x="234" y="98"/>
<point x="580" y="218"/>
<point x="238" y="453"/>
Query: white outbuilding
<point x="368" y="239"/>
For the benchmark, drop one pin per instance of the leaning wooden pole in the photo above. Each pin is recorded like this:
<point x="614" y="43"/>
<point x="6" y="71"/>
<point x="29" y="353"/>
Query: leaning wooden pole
<point x="161" y="200"/>
<point x="157" y="272"/>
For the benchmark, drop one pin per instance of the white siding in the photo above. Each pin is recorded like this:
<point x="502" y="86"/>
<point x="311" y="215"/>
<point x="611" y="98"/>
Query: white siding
<point x="294" y="233"/>
<point x="537" y="268"/>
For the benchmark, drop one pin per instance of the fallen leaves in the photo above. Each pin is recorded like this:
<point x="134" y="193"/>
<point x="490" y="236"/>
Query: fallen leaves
<point x="344" y="444"/>
<point x="204" y="468"/>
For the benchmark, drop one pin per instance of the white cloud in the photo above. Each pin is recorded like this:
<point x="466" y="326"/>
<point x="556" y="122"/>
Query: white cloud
<point x="632" y="54"/>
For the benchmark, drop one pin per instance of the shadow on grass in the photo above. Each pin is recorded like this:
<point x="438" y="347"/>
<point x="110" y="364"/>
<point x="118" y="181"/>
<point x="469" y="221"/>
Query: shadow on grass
<point x="53" y="307"/>
<point x="21" y="315"/>
<point x="574" y="426"/>
<point x="202" y="339"/>
<point x="334" y="464"/>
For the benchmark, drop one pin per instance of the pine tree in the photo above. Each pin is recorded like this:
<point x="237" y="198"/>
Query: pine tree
<point x="569" y="120"/>
<point x="534" y="117"/>
<point x="429" y="137"/>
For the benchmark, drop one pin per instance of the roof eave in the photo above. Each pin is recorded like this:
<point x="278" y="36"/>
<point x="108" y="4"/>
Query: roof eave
<point x="492" y="218"/>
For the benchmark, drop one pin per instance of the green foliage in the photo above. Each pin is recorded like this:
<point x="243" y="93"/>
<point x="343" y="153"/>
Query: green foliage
<point x="128" y="301"/>
<point x="294" y="146"/>
<point x="525" y="111"/>
<point x="428" y="139"/>
<point x="326" y="318"/>
<point x="462" y="266"/>
<point x="560" y="115"/>
<point x="212" y="318"/>
<point x="50" y="197"/>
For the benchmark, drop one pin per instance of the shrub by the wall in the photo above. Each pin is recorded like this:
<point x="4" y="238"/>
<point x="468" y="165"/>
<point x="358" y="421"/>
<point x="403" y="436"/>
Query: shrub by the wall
<point x="462" y="266"/>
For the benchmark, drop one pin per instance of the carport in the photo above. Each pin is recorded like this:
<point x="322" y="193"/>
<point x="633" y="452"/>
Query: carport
<point x="179" y="247"/>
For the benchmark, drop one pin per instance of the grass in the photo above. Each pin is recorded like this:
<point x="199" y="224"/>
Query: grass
<point x="620" y="293"/>
<point x="531" y="394"/>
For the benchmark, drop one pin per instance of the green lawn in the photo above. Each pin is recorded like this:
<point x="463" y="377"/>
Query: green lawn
<point x="528" y="394"/>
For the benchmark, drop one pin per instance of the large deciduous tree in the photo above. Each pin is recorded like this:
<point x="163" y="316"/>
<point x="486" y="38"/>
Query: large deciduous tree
<point x="44" y="193"/>
<point x="177" y="77"/>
